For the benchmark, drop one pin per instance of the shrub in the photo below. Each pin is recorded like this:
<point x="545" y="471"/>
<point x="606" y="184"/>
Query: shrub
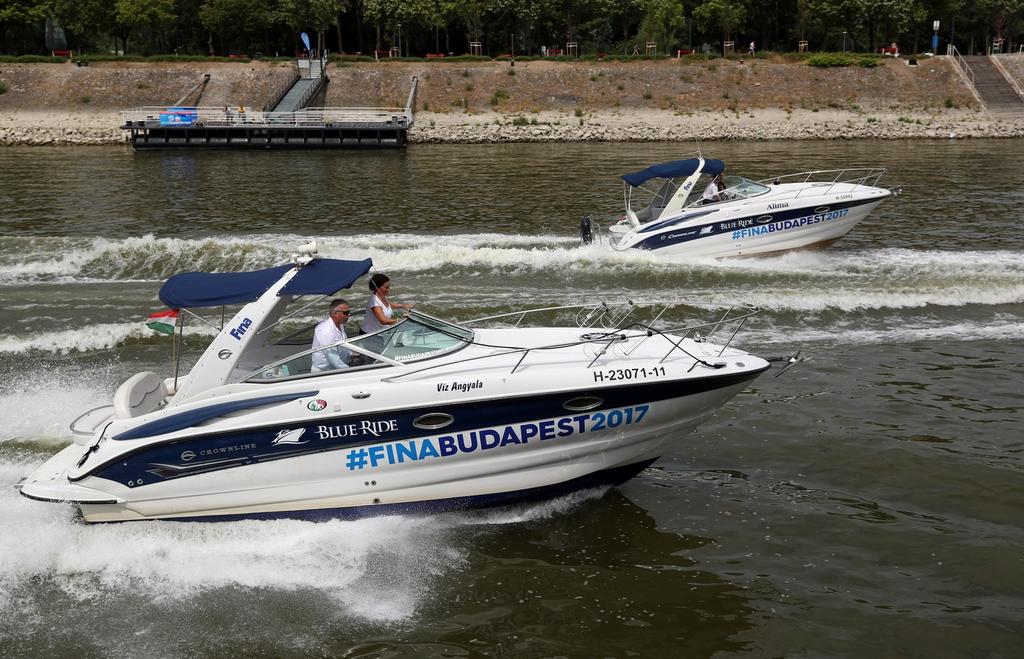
<point x="511" y="72"/>
<point x="100" y="57"/>
<point x="828" y="60"/>
<point x="85" y="98"/>
<point x="29" y="59"/>
<point x="461" y="58"/>
<point x="350" y="58"/>
<point x="520" y="121"/>
<point x="498" y="96"/>
<point x="949" y="102"/>
<point x="578" y="112"/>
<point x="3" y="87"/>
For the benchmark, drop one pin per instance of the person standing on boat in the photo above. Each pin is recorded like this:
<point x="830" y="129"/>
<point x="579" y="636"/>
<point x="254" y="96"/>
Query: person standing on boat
<point x="329" y="331"/>
<point x="379" y="309"/>
<point x="713" y="193"/>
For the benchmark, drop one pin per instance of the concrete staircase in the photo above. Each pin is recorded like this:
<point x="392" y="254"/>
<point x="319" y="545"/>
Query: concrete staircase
<point x="1000" y="98"/>
<point x="310" y="82"/>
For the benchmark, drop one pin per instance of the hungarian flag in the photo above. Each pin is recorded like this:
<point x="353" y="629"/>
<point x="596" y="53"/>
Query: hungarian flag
<point x="163" y="321"/>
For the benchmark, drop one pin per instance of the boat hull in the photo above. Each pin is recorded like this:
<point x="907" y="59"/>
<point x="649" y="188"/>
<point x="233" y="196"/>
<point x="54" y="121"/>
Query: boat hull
<point x="757" y="234"/>
<point x="539" y="448"/>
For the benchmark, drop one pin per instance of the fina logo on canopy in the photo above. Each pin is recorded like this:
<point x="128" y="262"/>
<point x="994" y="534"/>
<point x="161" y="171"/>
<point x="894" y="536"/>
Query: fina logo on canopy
<point x="239" y="331"/>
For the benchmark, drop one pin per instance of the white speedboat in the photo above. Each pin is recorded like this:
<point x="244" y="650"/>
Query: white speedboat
<point x="747" y="218"/>
<point x="429" y="414"/>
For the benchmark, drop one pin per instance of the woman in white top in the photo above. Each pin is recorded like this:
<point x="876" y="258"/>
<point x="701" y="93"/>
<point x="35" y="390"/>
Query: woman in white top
<point x="379" y="309"/>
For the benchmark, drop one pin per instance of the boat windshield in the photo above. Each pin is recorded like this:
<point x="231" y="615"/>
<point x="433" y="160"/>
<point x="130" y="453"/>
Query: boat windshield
<point x="417" y="337"/>
<point x="736" y="187"/>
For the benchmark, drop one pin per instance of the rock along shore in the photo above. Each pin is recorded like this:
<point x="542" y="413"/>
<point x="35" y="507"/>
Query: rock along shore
<point x="33" y="127"/>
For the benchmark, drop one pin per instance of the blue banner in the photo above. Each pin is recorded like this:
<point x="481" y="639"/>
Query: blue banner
<point x="178" y="117"/>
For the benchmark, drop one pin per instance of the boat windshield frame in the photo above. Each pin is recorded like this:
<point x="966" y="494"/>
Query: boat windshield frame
<point x="737" y="188"/>
<point x="374" y="347"/>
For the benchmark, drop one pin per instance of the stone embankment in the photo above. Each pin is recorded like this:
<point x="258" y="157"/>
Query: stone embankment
<point x="475" y="102"/>
<point x="81" y="128"/>
<point x="37" y="128"/>
<point x="658" y="126"/>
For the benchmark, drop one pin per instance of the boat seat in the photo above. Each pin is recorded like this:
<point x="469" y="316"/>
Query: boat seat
<point x="140" y="394"/>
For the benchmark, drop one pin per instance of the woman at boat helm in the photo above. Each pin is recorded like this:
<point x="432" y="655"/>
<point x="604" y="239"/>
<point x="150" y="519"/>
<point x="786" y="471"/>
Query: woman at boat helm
<point x="379" y="309"/>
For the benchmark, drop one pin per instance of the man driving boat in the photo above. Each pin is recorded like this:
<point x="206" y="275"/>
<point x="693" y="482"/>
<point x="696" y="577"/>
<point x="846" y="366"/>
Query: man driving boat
<point x="329" y="331"/>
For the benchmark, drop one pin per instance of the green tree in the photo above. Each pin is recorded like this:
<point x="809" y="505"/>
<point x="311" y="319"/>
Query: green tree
<point x="1003" y="16"/>
<point x="320" y="15"/>
<point x="721" y="15"/>
<point x="241" y="20"/>
<point x="663" y="23"/>
<point x="131" y="16"/>
<point x="89" y="21"/>
<point x="21" y="24"/>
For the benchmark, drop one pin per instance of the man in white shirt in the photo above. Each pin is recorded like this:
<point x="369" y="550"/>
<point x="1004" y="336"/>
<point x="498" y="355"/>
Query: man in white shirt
<point x="329" y="331"/>
<point x="712" y="193"/>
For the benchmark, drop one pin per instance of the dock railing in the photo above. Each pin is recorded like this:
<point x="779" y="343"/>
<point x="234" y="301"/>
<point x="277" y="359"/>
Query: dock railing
<point x="210" y="117"/>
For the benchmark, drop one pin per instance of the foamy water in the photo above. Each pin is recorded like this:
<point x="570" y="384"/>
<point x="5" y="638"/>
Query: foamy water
<point x="853" y="494"/>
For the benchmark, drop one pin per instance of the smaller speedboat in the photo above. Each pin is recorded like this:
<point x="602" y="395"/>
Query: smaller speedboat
<point x="427" y="413"/>
<point x="809" y="210"/>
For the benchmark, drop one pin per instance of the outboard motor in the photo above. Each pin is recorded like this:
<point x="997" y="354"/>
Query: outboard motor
<point x="586" y="230"/>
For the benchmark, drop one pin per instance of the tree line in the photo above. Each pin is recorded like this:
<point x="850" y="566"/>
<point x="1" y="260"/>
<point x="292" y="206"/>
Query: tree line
<point x="419" y="27"/>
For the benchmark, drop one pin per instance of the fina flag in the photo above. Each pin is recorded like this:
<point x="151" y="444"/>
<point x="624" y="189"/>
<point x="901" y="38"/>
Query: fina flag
<point x="305" y="40"/>
<point x="163" y="321"/>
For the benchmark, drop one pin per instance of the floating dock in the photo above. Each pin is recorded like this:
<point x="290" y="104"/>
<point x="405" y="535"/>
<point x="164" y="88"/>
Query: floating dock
<point x="289" y="125"/>
<point x="310" y="128"/>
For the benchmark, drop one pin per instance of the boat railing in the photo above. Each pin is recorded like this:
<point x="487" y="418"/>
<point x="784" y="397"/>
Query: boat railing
<point x="826" y="179"/>
<point x="220" y="117"/>
<point x="586" y="315"/>
<point x="611" y="336"/>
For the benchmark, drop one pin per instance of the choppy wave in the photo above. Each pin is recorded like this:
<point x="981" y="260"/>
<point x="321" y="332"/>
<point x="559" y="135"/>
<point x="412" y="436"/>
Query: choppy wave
<point x="998" y="330"/>
<point x="505" y="264"/>
<point x="100" y="336"/>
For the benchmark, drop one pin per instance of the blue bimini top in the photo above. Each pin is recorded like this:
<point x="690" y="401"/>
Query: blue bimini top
<point x="674" y="169"/>
<point x="213" y="289"/>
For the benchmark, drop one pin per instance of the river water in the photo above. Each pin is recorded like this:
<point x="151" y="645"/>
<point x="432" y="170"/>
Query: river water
<point x="869" y="502"/>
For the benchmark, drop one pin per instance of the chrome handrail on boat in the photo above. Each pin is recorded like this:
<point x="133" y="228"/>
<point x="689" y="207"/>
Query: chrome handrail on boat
<point x="867" y="176"/>
<point x="587" y="315"/>
<point x="608" y="337"/>
<point x="72" y="426"/>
